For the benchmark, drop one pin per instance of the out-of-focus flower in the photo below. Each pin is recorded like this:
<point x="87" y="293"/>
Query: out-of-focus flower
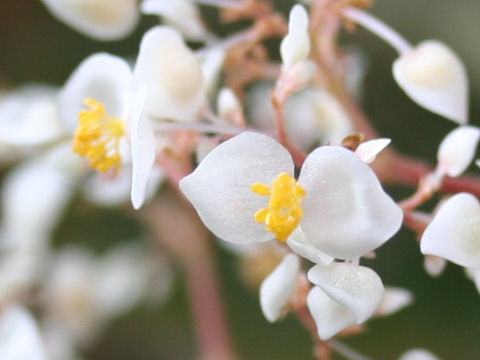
<point x="311" y="116"/>
<point x="395" y="299"/>
<point x="457" y="150"/>
<point x="344" y="294"/>
<point x="98" y="19"/>
<point x="434" y="265"/>
<point x="418" y="354"/>
<point x="173" y="76"/>
<point x="338" y="201"/>
<point x="182" y="15"/>
<point x="453" y="233"/>
<point x="19" y="336"/>
<point x="434" y="77"/>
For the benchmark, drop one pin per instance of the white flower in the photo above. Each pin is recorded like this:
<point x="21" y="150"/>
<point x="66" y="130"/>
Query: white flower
<point x="337" y="201"/>
<point x="278" y="288"/>
<point x="29" y="116"/>
<point x="19" y="336"/>
<point x="453" y="233"/>
<point x="434" y="265"/>
<point x="457" y="150"/>
<point x="114" y="129"/>
<point x="295" y="46"/>
<point x="345" y="294"/>
<point x="173" y="75"/>
<point x="395" y="299"/>
<point x="182" y="15"/>
<point x="99" y="19"/>
<point x="434" y="77"/>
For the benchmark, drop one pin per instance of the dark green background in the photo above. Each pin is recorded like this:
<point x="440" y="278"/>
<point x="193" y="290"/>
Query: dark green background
<point x="446" y="315"/>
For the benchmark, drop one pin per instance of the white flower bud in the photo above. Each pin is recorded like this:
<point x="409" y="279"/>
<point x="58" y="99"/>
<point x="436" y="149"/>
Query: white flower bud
<point x="418" y="354"/>
<point x="457" y="150"/>
<point x="368" y="150"/>
<point x="295" y="46"/>
<point x="434" y="265"/>
<point x="434" y="77"/>
<point x="228" y="105"/>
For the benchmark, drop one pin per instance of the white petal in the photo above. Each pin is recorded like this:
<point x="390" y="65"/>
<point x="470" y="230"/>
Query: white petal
<point x="143" y="147"/>
<point x="299" y="243"/>
<point x="295" y="46"/>
<point x="106" y="191"/>
<point x="457" y="150"/>
<point x="395" y="300"/>
<point x="19" y="336"/>
<point x="29" y="116"/>
<point x="219" y="188"/>
<point x="99" y="19"/>
<point x="434" y="265"/>
<point x="172" y="73"/>
<point x="106" y="78"/>
<point x="418" y="354"/>
<point x="228" y="104"/>
<point x="358" y="288"/>
<point x="278" y="288"/>
<point x="330" y="317"/>
<point x="183" y="15"/>
<point x="454" y="232"/>
<point x="346" y="212"/>
<point x="368" y="150"/>
<point x="212" y="63"/>
<point x="434" y="77"/>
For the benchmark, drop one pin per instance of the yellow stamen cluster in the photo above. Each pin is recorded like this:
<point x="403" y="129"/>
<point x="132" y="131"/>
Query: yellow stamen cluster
<point x="98" y="137"/>
<point x="284" y="210"/>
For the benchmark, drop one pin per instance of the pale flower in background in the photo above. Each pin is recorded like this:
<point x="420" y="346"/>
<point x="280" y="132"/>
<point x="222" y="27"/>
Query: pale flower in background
<point x="98" y="19"/>
<point x="418" y="354"/>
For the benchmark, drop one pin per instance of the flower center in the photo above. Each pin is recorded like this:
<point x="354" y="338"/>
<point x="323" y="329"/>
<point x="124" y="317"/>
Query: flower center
<point x="98" y="137"/>
<point x="284" y="210"/>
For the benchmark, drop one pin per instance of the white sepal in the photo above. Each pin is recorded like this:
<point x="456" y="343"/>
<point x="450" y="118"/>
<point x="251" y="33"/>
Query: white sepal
<point x="19" y="336"/>
<point x="368" y="150"/>
<point x="358" y="288"/>
<point x="457" y="150"/>
<point x="329" y="316"/>
<point x="434" y="77"/>
<point x="219" y="188"/>
<point x="295" y="46"/>
<point x="278" y="288"/>
<point x="453" y="233"/>
<point x="173" y="75"/>
<point x="346" y="212"/>
<point x="98" y="19"/>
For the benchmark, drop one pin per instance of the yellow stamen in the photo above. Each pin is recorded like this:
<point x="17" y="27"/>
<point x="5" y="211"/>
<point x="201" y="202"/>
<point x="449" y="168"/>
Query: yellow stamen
<point x="98" y="137"/>
<point x="284" y="210"/>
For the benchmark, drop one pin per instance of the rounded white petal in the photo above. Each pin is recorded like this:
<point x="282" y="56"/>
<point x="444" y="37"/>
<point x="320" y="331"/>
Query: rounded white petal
<point x="106" y="78"/>
<point x="99" y="19"/>
<point x="395" y="300"/>
<point x="434" y="77"/>
<point x="295" y="46"/>
<point x="358" y="288"/>
<point x="182" y="15"/>
<point x="418" y="354"/>
<point x="346" y="212"/>
<point x="19" y="336"/>
<point x="29" y="116"/>
<point x="300" y="244"/>
<point x="368" y="150"/>
<point x="434" y="265"/>
<point x="173" y="75"/>
<point x="457" y="150"/>
<point x="330" y="316"/>
<point x="219" y="188"/>
<point x="454" y="232"/>
<point x="278" y="288"/>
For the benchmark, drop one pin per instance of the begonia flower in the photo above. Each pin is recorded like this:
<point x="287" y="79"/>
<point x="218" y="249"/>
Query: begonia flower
<point x="98" y="19"/>
<point x="244" y="191"/>
<point x="344" y="294"/>
<point x="418" y="354"/>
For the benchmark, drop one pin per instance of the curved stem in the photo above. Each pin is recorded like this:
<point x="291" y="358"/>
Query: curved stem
<point x="379" y="28"/>
<point x="346" y="352"/>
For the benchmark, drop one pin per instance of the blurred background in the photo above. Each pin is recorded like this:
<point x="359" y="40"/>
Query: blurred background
<point x="445" y="317"/>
